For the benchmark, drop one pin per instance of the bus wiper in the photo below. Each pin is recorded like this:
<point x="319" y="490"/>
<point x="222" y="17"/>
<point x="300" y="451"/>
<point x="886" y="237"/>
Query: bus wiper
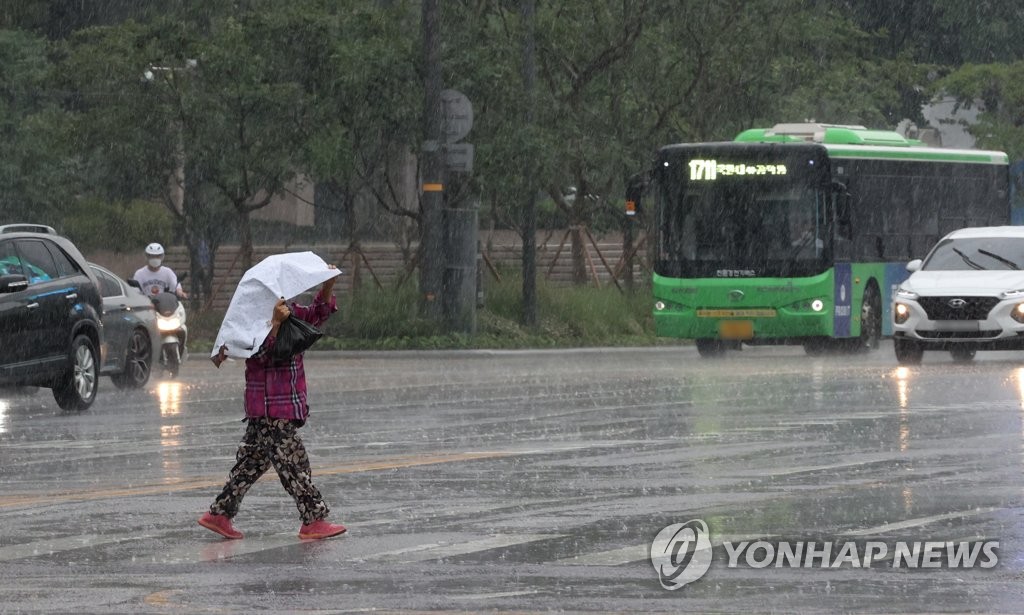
<point x="967" y="259"/>
<point x="802" y="243"/>
<point x="1001" y="259"/>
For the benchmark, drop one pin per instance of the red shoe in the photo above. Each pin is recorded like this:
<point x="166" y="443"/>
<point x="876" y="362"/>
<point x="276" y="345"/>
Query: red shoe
<point x="321" y="529"/>
<point x="220" y="524"/>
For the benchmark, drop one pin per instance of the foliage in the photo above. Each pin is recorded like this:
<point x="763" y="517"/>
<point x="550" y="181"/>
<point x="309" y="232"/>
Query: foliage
<point x="37" y="162"/>
<point x="334" y="92"/>
<point x="121" y="227"/>
<point x="1000" y="90"/>
<point x="376" y="319"/>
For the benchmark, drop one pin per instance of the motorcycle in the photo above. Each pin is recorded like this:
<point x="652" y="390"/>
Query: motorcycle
<point x="170" y="321"/>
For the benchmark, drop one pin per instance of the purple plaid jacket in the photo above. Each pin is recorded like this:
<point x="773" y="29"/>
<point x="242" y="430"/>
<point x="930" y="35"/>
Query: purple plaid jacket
<point x="278" y="390"/>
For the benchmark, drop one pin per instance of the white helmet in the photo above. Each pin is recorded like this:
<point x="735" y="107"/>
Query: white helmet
<point x="155" y="249"/>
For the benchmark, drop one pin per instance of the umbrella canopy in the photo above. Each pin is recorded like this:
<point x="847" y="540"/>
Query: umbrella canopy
<point x="279" y="276"/>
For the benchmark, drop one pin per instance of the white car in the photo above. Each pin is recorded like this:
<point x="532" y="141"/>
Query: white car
<point x="967" y="295"/>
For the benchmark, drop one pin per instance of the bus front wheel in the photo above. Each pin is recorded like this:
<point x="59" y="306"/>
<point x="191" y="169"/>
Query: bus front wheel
<point x="710" y="348"/>
<point x="870" y="320"/>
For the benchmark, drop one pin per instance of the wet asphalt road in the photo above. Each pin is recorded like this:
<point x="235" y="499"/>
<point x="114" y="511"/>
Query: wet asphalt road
<point x="528" y="481"/>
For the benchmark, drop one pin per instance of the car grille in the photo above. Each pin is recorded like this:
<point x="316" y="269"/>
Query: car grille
<point x="973" y="308"/>
<point x="959" y="335"/>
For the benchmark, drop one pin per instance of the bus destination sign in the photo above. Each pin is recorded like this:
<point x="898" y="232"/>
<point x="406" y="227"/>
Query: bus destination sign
<point x="710" y="170"/>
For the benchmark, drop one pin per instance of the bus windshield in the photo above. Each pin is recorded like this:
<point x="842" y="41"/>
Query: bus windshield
<point x="766" y="215"/>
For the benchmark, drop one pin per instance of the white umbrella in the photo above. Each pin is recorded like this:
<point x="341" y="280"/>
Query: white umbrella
<point x="279" y="276"/>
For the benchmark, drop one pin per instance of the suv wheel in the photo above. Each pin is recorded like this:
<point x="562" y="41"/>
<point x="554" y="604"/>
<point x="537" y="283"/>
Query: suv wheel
<point x="908" y="352"/>
<point x="76" y="390"/>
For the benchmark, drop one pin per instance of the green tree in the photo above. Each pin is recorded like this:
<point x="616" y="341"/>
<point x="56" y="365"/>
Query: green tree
<point x="38" y="178"/>
<point x="1000" y="90"/>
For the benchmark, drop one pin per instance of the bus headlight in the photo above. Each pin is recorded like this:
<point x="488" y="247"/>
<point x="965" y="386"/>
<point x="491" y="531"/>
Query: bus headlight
<point x="900" y="313"/>
<point x="1017" y="313"/>
<point x="807" y="305"/>
<point x="659" y="305"/>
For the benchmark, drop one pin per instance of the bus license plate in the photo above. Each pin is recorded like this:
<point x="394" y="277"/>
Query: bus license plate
<point x="736" y="329"/>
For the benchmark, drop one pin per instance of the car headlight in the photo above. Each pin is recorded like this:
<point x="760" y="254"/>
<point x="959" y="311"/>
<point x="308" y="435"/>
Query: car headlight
<point x="900" y="313"/>
<point x="905" y="293"/>
<point x="1017" y="313"/>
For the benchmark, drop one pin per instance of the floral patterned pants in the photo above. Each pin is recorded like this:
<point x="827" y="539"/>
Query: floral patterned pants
<point x="272" y="442"/>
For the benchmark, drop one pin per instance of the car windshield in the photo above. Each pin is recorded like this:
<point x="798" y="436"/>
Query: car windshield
<point x="975" y="253"/>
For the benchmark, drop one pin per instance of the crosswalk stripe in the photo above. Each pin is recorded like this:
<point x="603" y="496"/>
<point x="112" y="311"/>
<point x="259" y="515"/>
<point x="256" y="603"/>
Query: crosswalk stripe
<point x="637" y="553"/>
<point x="429" y="551"/>
<point x="225" y="549"/>
<point x="909" y="523"/>
<point x="189" y="484"/>
<point x="58" y="545"/>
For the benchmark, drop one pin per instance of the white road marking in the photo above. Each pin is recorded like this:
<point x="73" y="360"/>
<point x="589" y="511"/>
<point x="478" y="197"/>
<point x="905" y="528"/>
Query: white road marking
<point x="429" y="551"/>
<point x="219" y="549"/>
<point x="909" y="523"/>
<point x="638" y="553"/>
<point x="59" y="545"/>
<point x="528" y="592"/>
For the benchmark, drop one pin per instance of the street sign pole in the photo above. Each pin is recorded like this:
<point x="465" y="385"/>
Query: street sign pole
<point x="431" y="254"/>
<point x="461" y="217"/>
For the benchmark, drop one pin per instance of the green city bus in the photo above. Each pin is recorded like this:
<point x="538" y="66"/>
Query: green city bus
<point x="798" y="234"/>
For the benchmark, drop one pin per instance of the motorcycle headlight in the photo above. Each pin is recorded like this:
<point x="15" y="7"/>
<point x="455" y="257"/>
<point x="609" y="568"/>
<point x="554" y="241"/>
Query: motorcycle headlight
<point x="168" y="324"/>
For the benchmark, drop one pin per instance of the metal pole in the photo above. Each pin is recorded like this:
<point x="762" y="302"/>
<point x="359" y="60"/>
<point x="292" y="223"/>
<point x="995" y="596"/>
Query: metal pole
<point x="432" y="259"/>
<point x="530" y="206"/>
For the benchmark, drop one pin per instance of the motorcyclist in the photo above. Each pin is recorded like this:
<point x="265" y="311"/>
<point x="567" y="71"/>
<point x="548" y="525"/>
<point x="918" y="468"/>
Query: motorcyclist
<point x="154" y="278"/>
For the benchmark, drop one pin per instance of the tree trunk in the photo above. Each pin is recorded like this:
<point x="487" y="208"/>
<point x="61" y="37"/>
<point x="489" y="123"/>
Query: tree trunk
<point x="245" y="239"/>
<point x="579" y="261"/>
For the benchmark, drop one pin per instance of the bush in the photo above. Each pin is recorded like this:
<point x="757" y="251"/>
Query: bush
<point x="376" y="319"/>
<point x="121" y="227"/>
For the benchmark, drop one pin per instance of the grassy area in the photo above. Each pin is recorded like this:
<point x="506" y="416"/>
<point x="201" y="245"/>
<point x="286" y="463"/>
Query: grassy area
<point x="568" y="317"/>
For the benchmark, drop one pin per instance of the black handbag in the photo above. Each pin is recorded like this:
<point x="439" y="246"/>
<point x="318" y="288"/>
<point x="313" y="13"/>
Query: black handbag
<point x="294" y="336"/>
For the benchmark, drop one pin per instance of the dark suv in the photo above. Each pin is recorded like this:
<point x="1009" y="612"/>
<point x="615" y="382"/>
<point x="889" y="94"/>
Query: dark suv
<point x="50" y="308"/>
